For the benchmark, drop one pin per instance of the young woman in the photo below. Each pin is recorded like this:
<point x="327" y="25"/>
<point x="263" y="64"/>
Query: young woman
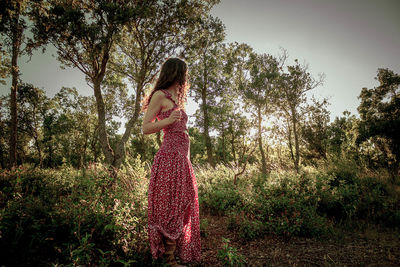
<point x="173" y="207"/>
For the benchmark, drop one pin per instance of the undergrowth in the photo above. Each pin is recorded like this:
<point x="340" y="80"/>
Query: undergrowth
<point x="69" y="217"/>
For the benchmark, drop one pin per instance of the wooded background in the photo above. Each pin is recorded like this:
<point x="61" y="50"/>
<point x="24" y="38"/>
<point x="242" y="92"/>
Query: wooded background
<point x="259" y="109"/>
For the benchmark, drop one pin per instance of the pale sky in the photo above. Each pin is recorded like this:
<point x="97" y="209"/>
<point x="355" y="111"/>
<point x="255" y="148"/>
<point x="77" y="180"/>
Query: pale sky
<point x="348" y="40"/>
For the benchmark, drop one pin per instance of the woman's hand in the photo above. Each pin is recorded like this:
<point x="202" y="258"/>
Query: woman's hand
<point x="175" y="116"/>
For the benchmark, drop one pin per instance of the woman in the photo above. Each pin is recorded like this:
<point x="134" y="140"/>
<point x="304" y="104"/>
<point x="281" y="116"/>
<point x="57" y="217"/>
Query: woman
<point x="173" y="211"/>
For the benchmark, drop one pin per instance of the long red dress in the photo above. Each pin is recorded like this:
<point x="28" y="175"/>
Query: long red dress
<point x="173" y="205"/>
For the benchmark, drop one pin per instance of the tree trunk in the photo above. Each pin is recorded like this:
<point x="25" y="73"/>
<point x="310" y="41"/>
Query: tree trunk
<point x="296" y="140"/>
<point x="232" y="141"/>
<point x="16" y="44"/>
<point x="290" y="143"/>
<point x="260" y="144"/>
<point x="210" y="157"/>
<point x="101" y="116"/>
<point x="35" y="135"/>
<point x="93" y="143"/>
<point x="120" y="148"/>
<point x="223" y="145"/>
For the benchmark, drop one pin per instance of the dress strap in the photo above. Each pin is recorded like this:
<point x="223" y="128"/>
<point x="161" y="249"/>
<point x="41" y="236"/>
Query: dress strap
<point x="168" y="95"/>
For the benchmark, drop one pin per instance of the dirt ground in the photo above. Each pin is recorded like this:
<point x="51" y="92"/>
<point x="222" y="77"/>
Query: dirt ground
<point x="374" y="246"/>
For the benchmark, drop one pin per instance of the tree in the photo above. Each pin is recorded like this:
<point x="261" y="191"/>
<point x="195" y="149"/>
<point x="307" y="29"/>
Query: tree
<point x="222" y="120"/>
<point x="147" y="42"/>
<point x="380" y="117"/>
<point x="33" y="105"/>
<point x="314" y="130"/>
<point x="342" y="134"/>
<point x="246" y="148"/>
<point x="197" y="147"/>
<point x="84" y="33"/>
<point x="206" y="63"/>
<point x="12" y="27"/>
<point x="259" y="91"/>
<point x="293" y="88"/>
<point x="80" y="124"/>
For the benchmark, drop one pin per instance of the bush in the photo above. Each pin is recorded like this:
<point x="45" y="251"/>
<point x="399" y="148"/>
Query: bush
<point x="343" y="171"/>
<point x="75" y="217"/>
<point x="222" y="199"/>
<point x="229" y="256"/>
<point x="287" y="204"/>
<point x="216" y="190"/>
<point x="70" y="217"/>
<point x="251" y="229"/>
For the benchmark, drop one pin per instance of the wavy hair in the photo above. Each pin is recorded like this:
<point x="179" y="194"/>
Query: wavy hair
<point x="173" y="70"/>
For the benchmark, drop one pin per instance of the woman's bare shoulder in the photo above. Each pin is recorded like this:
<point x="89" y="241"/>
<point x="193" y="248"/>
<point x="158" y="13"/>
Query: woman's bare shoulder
<point x="158" y="96"/>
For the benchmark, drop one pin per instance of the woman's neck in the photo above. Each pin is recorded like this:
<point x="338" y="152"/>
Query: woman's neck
<point x="173" y="90"/>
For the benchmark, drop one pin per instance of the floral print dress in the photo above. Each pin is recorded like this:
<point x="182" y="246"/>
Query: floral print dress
<point x="173" y="206"/>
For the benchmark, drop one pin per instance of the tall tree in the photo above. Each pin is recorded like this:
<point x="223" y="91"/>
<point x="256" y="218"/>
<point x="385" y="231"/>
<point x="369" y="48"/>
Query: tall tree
<point x="147" y="42"/>
<point x="260" y="90"/>
<point x="12" y="27"/>
<point x="314" y="130"/>
<point x="80" y="121"/>
<point x="224" y="111"/>
<point x="343" y="132"/>
<point x="293" y="88"/>
<point x="84" y="33"/>
<point x="380" y="117"/>
<point x="206" y="63"/>
<point x="33" y="105"/>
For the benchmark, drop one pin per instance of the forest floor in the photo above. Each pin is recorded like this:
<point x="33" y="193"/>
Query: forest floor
<point x="372" y="246"/>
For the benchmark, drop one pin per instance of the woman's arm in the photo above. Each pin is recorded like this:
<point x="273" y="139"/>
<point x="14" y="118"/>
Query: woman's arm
<point x="153" y="109"/>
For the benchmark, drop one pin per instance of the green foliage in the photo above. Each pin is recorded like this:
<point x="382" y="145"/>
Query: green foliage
<point x="222" y="199"/>
<point x="197" y="148"/>
<point x="287" y="206"/>
<point x="380" y="118"/>
<point x="343" y="171"/>
<point x="315" y="131"/>
<point x="72" y="218"/>
<point x="251" y="229"/>
<point x="229" y="256"/>
<point x="4" y="65"/>
<point x="216" y="190"/>
<point x="342" y="134"/>
<point x="290" y="204"/>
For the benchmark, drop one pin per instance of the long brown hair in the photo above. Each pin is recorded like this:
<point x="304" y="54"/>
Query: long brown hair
<point x="173" y="70"/>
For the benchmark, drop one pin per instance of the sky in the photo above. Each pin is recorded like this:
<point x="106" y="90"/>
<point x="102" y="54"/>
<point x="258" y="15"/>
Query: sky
<point x="347" y="40"/>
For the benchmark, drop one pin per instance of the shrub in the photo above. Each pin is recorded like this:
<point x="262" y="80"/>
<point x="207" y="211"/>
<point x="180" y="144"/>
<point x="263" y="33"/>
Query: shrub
<point x="251" y="229"/>
<point x="71" y="217"/>
<point x="216" y="190"/>
<point x="229" y="256"/>
<point x="287" y="204"/>
<point x="344" y="172"/>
